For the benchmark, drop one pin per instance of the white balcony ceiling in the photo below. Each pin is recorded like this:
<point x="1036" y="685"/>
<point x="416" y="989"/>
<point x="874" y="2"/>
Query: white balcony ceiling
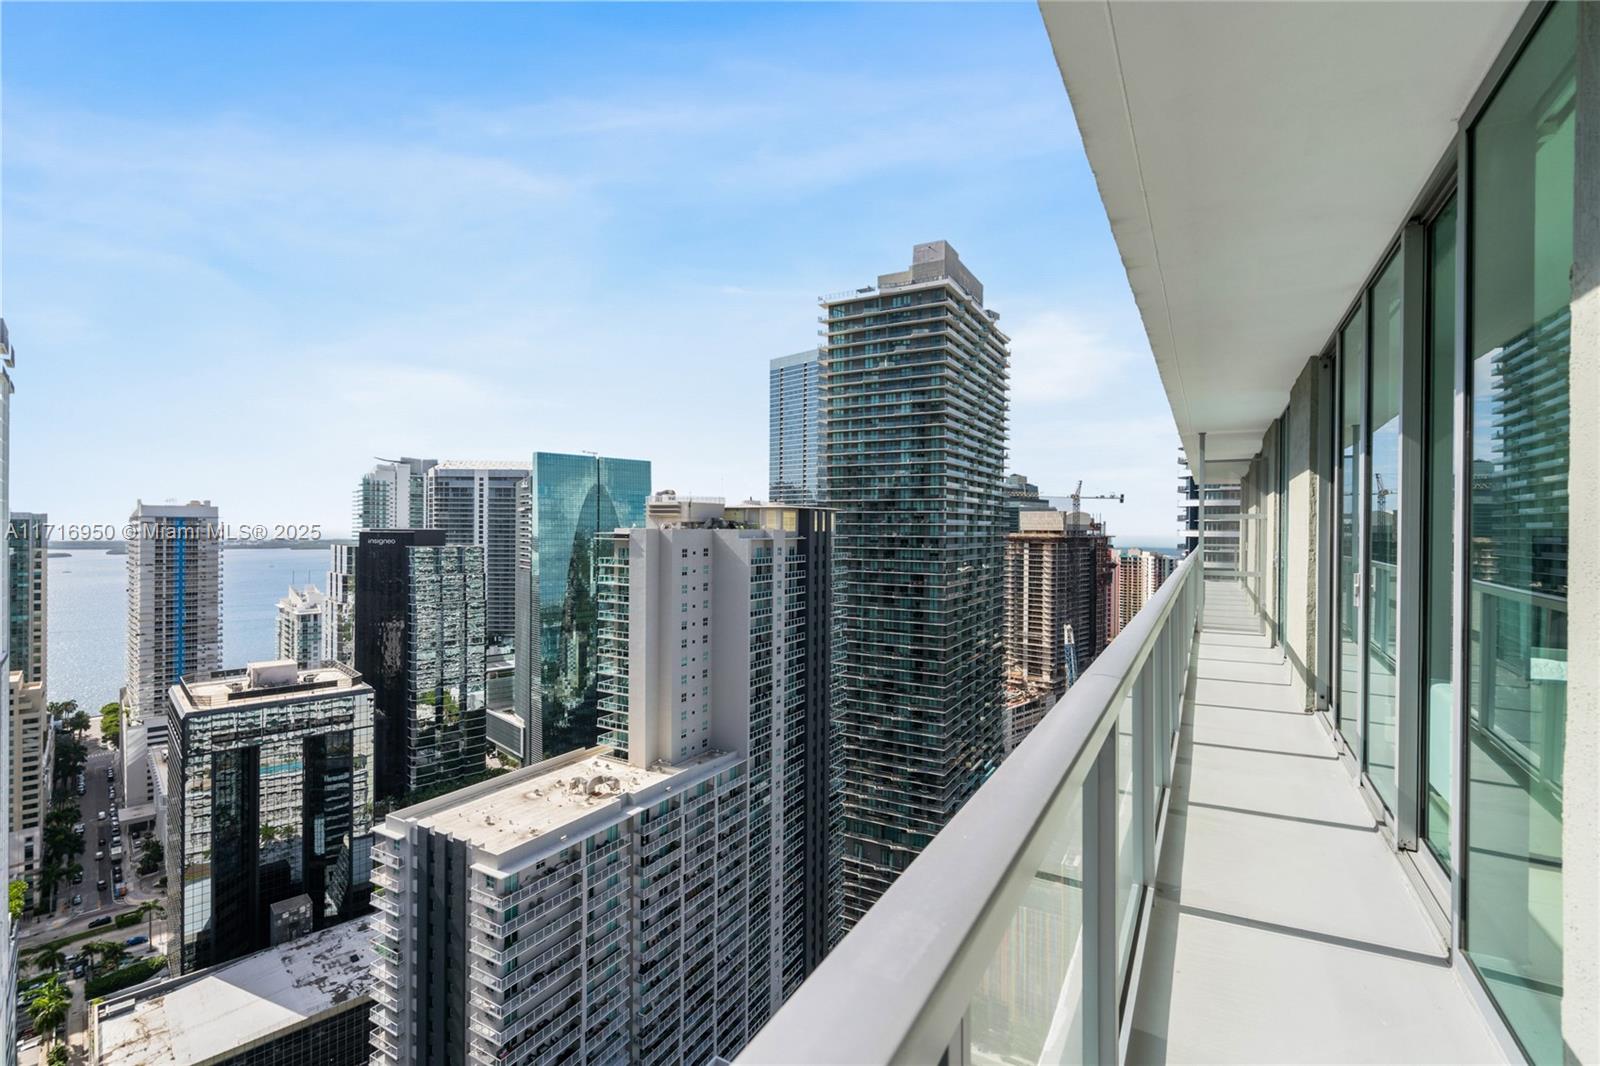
<point x="1254" y="159"/>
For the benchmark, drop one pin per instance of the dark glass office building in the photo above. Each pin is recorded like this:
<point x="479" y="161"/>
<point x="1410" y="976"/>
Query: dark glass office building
<point x="270" y="792"/>
<point x="569" y="498"/>
<point x="420" y="644"/>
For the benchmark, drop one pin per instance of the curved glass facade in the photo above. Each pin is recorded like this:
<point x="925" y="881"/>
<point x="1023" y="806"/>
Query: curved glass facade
<point x="570" y="499"/>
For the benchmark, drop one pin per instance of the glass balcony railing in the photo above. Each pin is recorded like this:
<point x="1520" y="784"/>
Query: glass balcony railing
<point x="1010" y="937"/>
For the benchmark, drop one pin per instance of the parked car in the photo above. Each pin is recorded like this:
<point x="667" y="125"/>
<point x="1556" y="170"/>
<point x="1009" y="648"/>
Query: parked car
<point x="101" y="884"/>
<point x="77" y="878"/>
<point x="116" y="875"/>
<point x="102" y="840"/>
<point x="78" y="970"/>
<point x="79" y="829"/>
<point x="135" y="941"/>
<point x="98" y="922"/>
<point x="100" y="817"/>
<point x="77" y="901"/>
<point x="99" y="855"/>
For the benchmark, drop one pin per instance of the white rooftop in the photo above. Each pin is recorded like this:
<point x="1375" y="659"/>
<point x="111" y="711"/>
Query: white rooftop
<point x="526" y="806"/>
<point x="265" y="682"/>
<point x="482" y="464"/>
<point x="195" y="1018"/>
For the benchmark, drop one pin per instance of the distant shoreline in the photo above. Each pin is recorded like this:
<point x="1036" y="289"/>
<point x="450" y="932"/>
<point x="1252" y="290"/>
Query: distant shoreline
<point x="120" y="547"/>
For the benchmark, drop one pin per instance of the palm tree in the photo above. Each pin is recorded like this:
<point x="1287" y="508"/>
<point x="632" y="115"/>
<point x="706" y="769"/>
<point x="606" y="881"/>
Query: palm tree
<point x="49" y="958"/>
<point x="102" y="954"/>
<point x="49" y="1006"/>
<point x="111" y="954"/>
<point x="151" y="910"/>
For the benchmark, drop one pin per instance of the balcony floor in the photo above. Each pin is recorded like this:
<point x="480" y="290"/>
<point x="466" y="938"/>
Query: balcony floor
<point x="1283" y="928"/>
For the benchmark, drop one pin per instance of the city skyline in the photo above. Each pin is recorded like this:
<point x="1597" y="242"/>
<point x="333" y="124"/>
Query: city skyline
<point x="288" y="272"/>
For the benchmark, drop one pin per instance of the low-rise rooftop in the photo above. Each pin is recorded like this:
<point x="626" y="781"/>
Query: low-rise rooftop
<point x="201" y="1016"/>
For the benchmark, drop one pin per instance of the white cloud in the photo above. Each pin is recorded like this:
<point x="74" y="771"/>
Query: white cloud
<point x="1066" y="354"/>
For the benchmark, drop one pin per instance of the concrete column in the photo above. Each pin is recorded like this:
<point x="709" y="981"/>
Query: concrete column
<point x="1580" y="836"/>
<point x="1302" y="565"/>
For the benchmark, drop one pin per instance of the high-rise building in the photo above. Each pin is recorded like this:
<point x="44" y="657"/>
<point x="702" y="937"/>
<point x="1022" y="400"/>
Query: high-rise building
<point x="419" y="642"/>
<point x="1222" y="520"/>
<point x="568" y="500"/>
<point x="31" y="748"/>
<point x="476" y="503"/>
<point x="8" y="927"/>
<point x="1139" y="574"/>
<point x="305" y="626"/>
<point x="643" y="901"/>
<point x="341" y="637"/>
<point x="32" y="760"/>
<point x="915" y="405"/>
<point x="795" y="445"/>
<point x="29" y="574"/>
<point x="174" y="623"/>
<point x="1037" y="597"/>
<point x="741" y="597"/>
<point x="271" y="791"/>
<point x="391" y="495"/>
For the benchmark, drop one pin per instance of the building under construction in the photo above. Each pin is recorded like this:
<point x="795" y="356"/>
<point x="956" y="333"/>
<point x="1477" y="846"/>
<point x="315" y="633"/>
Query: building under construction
<point x="1058" y="571"/>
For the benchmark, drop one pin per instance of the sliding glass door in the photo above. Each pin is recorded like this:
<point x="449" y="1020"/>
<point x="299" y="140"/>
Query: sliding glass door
<point x="1383" y="532"/>
<point x="1438" y="620"/>
<point x="1521" y="225"/>
<point x="1352" y="359"/>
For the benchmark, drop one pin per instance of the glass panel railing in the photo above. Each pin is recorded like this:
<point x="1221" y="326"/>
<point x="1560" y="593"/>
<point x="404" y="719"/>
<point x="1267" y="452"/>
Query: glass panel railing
<point x="1009" y="939"/>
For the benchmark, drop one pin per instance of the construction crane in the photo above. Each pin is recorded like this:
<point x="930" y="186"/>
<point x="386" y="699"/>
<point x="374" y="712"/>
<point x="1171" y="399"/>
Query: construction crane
<point x="1078" y="497"/>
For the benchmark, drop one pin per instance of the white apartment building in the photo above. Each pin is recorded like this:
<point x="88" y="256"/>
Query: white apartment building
<point x="306" y="627"/>
<point x="1139" y="574"/>
<point x="475" y="503"/>
<point x="174" y="623"/>
<point x="31" y="757"/>
<point x="390" y="495"/>
<point x="340" y="636"/>
<point x="633" y="901"/>
<point x="8" y="928"/>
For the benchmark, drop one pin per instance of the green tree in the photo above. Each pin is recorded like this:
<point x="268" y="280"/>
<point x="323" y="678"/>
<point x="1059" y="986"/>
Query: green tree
<point x="103" y="955"/>
<point x="111" y="723"/>
<point x="49" y="958"/>
<point x="48" y="1008"/>
<point x="19" y="893"/>
<point x="152" y="910"/>
<point x="57" y="1056"/>
<point x="150" y="854"/>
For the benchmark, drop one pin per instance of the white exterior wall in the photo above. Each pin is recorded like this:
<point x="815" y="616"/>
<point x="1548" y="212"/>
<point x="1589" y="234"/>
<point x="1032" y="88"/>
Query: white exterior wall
<point x="8" y="929"/>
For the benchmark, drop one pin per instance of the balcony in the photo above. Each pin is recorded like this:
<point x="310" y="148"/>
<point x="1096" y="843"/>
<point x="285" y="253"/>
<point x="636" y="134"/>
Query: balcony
<point x="1174" y="866"/>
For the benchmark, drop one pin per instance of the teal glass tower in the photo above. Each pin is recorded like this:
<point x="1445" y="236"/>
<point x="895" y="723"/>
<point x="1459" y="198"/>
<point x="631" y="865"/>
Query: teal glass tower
<point x="915" y="381"/>
<point x="567" y="499"/>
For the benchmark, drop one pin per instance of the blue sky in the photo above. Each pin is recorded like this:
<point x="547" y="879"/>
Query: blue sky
<point x="248" y="247"/>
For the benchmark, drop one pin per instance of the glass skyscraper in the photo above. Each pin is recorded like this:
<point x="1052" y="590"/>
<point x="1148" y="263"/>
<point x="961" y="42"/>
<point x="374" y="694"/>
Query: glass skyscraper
<point x="568" y="499"/>
<point x="915" y="407"/>
<point x="795" y="446"/>
<point x="420" y="643"/>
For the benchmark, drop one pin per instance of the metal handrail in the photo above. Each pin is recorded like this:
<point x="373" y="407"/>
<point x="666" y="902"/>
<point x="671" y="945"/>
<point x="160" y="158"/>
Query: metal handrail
<point x="895" y="989"/>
